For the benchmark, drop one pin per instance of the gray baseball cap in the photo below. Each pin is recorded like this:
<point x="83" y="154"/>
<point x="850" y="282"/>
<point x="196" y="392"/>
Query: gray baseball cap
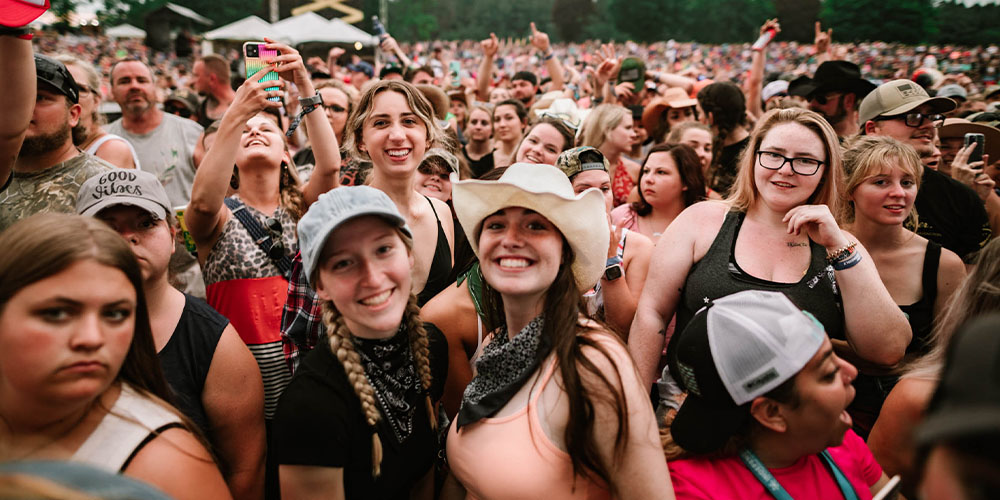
<point x="336" y="207"/>
<point x="120" y="186"/>
<point x="898" y="97"/>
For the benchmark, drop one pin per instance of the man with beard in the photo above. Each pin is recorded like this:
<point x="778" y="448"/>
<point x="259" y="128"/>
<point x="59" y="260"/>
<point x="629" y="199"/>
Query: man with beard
<point x="49" y="169"/>
<point x="211" y="79"/>
<point x="835" y="92"/>
<point x="164" y="142"/>
<point x="951" y="213"/>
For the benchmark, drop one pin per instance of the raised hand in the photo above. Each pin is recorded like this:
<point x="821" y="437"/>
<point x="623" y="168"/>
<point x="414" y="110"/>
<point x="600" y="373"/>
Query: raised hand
<point x="289" y="63"/>
<point x="822" y="39"/>
<point x="539" y="39"/>
<point x="490" y="46"/>
<point x="607" y="63"/>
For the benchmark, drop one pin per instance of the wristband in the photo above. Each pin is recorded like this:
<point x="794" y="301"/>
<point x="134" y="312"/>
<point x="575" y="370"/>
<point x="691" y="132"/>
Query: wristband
<point x="24" y="32"/>
<point x="849" y="262"/>
<point x="548" y="56"/>
<point x="613" y="261"/>
<point x="309" y="104"/>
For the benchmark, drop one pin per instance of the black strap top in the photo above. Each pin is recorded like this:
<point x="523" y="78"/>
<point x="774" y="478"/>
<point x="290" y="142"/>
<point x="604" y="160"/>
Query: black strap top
<point x="920" y="314"/>
<point x="718" y="274"/>
<point x="439" y="276"/>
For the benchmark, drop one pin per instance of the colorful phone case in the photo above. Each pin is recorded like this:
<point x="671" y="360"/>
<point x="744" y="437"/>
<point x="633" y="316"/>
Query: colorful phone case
<point x="255" y="64"/>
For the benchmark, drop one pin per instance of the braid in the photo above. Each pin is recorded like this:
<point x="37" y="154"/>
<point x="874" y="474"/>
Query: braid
<point x="290" y="194"/>
<point x="420" y="347"/>
<point x="343" y="348"/>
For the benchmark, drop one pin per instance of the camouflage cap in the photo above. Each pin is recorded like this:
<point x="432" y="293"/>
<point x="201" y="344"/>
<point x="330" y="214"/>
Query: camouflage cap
<point x="576" y="160"/>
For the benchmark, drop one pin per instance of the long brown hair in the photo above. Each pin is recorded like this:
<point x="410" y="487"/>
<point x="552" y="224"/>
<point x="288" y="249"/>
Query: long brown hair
<point x="562" y="311"/>
<point x="46" y="244"/>
<point x="688" y="168"/>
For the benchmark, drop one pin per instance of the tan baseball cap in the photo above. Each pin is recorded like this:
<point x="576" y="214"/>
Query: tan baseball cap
<point x="898" y="97"/>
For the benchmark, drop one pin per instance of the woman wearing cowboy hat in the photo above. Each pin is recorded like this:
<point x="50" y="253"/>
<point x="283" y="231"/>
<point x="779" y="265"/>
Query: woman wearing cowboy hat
<point x="555" y="398"/>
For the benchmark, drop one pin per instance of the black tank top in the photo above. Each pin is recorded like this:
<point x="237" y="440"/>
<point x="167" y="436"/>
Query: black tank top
<point x="439" y="276"/>
<point x="480" y="166"/>
<point x="188" y="355"/>
<point x="717" y="274"/>
<point x="921" y="313"/>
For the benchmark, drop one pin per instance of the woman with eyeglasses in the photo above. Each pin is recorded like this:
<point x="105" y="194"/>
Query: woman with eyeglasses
<point x="245" y="242"/>
<point x="610" y="128"/>
<point x="337" y="105"/>
<point x="88" y="135"/>
<point x="775" y="232"/>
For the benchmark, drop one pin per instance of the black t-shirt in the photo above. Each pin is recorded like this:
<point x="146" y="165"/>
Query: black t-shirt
<point x="319" y="422"/>
<point x="951" y="214"/>
<point x="188" y="355"/>
<point x="480" y="166"/>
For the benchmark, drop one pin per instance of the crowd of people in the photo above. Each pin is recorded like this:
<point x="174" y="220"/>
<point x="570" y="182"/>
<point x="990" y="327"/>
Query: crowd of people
<point x="576" y="271"/>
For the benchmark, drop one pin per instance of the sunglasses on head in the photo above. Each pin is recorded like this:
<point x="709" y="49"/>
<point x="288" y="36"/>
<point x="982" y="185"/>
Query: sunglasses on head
<point x="336" y="108"/>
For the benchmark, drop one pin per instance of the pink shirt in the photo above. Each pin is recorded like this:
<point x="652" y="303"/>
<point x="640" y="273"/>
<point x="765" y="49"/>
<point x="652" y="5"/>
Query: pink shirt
<point x="698" y="478"/>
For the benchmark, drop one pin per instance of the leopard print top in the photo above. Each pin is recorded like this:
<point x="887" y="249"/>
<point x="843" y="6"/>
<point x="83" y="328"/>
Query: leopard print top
<point x="236" y="256"/>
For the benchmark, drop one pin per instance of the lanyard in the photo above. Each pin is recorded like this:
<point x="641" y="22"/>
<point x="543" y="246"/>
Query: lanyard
<point x="778" y="492"/>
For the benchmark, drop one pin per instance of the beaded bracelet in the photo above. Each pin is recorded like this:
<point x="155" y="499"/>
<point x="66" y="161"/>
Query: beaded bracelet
<point x="841" y="253"/>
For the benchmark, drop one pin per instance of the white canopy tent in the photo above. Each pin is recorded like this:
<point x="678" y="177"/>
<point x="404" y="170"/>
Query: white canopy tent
<point x="125" y="31"/>
<point x="246" y="29"/>
<point x="312" y="27"/>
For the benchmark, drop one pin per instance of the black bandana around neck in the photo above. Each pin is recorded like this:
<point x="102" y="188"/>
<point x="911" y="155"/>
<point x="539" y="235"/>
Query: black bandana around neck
<point x="504" y="366"/>
<point x="390" y="370"/>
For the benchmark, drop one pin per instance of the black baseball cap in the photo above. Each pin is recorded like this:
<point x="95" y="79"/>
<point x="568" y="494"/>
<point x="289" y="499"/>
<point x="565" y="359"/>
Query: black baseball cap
<point x="966" y="404"/>
<point x="55" y="74"/>
<point x="389" y="69"/>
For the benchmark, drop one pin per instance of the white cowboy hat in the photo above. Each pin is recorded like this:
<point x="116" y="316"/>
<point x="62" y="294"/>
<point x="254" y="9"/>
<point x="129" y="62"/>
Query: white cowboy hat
<point x="582" y="218"/>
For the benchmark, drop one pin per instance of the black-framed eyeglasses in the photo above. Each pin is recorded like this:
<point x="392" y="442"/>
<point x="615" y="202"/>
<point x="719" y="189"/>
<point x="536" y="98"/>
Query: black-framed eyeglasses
<point x="774" y="161"/>
<point x="336" y="108"/>
<point x="274" y="229"/>
<point x="915" y="120"/>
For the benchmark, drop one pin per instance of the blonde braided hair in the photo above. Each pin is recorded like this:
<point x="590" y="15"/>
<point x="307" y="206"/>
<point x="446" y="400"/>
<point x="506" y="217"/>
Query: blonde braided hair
<point x="342" y="346"/>
<point x="420" y="347"/>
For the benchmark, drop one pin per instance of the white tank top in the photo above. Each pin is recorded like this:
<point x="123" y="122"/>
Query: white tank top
<point x="130" y="424"/>
<point x="107" y="137"/>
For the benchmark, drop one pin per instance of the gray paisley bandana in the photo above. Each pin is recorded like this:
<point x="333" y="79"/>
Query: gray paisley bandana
<point x="504" y="366"/>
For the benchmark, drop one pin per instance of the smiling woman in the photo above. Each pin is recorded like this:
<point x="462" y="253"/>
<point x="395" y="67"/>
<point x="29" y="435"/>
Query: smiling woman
<point x="80" y="375"/>
<point x="555" y="396"/>
<point x="776" y="232"/>
<point x="374" y="386"/>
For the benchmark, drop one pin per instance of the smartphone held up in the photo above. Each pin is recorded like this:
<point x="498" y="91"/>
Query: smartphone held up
<point x="255" y="57"/>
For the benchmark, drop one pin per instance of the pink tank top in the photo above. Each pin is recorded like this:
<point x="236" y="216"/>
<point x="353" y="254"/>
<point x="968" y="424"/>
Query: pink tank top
<point x="531" y="465"/>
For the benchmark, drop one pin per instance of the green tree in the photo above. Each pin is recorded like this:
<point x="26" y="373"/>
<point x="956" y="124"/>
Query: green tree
<point x="644" y="20"/>
<point x="797" y="18"/>
<point x="906" y="21"/>
<point x="570" y="17"/>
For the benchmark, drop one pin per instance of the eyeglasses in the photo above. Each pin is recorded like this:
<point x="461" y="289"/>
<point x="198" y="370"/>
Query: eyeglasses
<point x="274" y="229"/>
<point x="336" y="108"/>
<point x="774" y="161"/>
<point x="174" y="109"/>
<point x="822" y="99"/>
<point x="915" y="120"/>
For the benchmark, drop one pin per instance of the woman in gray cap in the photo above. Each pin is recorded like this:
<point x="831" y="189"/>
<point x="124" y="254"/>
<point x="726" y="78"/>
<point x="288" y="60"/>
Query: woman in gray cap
<point x="359" y="418"/>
